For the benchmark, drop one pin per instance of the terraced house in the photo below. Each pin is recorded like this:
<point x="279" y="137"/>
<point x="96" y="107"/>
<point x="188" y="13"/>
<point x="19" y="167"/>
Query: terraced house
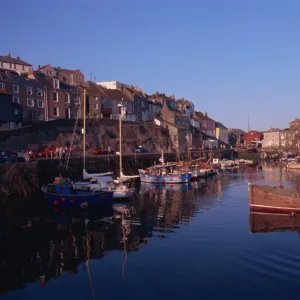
<point x="7" y="62"/>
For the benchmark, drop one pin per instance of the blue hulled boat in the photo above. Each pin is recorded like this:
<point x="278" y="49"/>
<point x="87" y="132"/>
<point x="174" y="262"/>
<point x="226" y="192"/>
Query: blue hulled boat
<point x="165" y="174"/>
<point x="61" y="193"/>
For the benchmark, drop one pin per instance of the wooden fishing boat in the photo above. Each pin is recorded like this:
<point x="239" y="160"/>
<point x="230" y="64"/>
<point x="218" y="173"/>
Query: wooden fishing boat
<point x="270" y="222"/>
<point x="273" y="199"/>
<point x="61" y="193"/>
<point x="164" y="174"/>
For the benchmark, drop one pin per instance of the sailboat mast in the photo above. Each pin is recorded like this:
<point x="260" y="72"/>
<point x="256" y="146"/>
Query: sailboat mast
<point x="120" y="143"/>
<point x="84" y="126"/>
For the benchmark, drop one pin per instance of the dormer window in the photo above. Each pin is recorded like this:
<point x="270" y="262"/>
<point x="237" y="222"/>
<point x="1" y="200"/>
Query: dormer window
<point x="29" y="90"/>
<point x="56" y="83"/>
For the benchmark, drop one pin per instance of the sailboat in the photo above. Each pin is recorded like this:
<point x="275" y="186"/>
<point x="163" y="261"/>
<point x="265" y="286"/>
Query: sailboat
<point x="105" y="181"/>
<point x="62" y="192"/>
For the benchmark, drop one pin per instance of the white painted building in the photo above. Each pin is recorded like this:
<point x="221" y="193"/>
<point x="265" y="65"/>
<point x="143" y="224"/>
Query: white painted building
<point x="274" y="138"/>
<point x="14" y="64"/>
<point x="112" y="85"/>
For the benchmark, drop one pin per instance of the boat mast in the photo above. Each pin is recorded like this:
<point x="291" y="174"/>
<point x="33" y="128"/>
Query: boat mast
<point x="120" y="143"/>
<point x="84" y="126"/>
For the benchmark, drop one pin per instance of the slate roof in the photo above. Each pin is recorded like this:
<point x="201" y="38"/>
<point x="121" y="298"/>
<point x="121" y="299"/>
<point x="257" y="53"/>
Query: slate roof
<point x="12" y="60"/>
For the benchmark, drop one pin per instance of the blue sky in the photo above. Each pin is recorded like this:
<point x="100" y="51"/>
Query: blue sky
<point x="232" y="58"/>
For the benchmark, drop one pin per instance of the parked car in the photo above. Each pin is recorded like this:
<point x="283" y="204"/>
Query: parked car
<point x="99" y="151"/>
<point x="141" y="149"/>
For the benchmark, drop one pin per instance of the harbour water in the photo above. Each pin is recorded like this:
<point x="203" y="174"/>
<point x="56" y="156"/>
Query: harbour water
<point x="181" y="242"/>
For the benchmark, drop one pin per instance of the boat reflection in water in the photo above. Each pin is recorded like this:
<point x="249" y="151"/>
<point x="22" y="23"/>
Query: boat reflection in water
<point x="49" y="246"/>
<point x="156" y="188"/>
<point x="268" y="222"/>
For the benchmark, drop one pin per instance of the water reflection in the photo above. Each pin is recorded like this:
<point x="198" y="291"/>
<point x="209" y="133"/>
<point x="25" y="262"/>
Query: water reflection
<point x="187" y="237"/>
<point x="267" y="222"/>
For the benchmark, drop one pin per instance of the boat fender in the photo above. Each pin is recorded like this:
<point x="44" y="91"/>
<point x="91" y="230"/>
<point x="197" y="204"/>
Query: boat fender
<point x="84" y="205"/>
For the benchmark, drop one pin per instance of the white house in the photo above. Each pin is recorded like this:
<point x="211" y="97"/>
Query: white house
<point x="14" y="64"/>
<point x="112" y="85"/>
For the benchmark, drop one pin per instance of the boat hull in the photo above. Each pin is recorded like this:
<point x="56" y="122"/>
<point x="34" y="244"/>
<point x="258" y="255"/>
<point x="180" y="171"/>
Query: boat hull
<point x="165" y="179"/>
<point x="269" y="199"/>
<point x="78" y="200"/>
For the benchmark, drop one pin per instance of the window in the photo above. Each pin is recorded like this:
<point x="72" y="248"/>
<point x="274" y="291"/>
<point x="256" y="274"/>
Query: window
<point x="54" y="97"/>
<point x="56" y="111"/>
<point x="55" y="83"/>
<point x="16" y="111"/>
<point x="16" y="100"/>
<point x="40" y="103"/>
<point x="47" y="72"/>
<point x="95" y="98"/>
<point x="40" y="117"/>
<point x="2" y="65"/>
<point x="16" y="88"/>
<point x="15" y="66"/>
<point x="30" y="102"/>
<point x="96" y="106"/>
<point x="23" y="68"/>
<point x="29" y="90"/>
<point x="39" y="92"/>
<point x="2" y="86"/>
<point x="11" y="66"/>
<point x="67" y="98"/>
<point x="95" y="116"/>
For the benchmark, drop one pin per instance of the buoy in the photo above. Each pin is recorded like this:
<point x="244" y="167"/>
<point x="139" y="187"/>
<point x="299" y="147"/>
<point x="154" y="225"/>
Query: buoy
<point x="84" y="205"/>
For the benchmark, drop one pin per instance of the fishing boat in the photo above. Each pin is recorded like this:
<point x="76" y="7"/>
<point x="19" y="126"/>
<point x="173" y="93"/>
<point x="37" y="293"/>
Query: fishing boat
<point x="164" y="174"/>
<point x="62" y="193"/>
<point x="273" y="199"/>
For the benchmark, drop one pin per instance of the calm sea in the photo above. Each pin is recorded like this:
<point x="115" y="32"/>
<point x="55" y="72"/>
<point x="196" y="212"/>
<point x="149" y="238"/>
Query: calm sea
<point x="181" y="242"/>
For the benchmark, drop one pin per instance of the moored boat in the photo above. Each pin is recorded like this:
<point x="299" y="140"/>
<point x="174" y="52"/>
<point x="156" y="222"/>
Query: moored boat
<point x="62" y="193"/>
<point x="273" y="199"/>
<point x="164" y="174"/>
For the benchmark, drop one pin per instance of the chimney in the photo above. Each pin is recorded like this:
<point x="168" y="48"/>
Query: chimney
<point x="39" y="67"/>
<point x="18" y="57"/>
<point x="30" y="74"/>
<point x="9" y="54"/>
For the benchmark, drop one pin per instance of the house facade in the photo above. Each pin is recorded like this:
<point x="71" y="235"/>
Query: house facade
<point x="293" y="136"/>
<point x="274" y="138"/>
<point x="207" y="125"/>
<point x="71" y="77"/>
<point x="221" y="132"/>
<point x="10" y="113"/>
<point x="236" y="136"/>
<point x="59" y="98"/>
<point x="27" y="92"/>
<point x="7" y="62"/>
